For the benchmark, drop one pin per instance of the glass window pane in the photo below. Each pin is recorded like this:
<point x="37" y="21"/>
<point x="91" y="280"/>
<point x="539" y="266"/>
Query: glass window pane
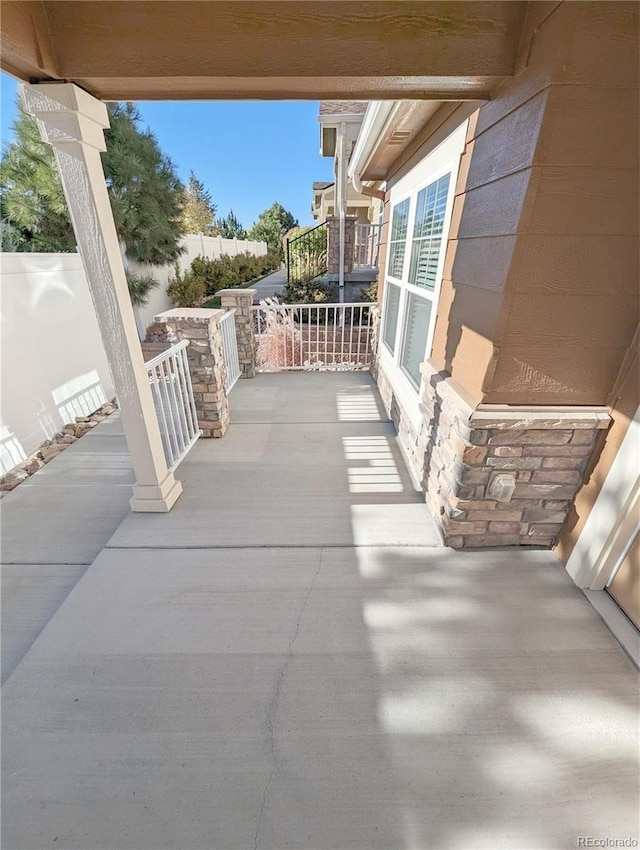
<point x="427" y="233"/>
<point x="416" y="329"/>
<point x="396" y="259"/>
<point x="391" y="308"/>
<point x="398" y="238"/>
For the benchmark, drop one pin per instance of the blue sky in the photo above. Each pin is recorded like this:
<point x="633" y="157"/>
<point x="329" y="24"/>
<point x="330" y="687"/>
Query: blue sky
<point x="248" y="154"/>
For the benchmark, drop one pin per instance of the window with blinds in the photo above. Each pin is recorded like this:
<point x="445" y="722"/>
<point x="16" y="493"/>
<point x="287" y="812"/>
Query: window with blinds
<point x="391" y="310"/>
<point x="427" y="233"/>
<point x="417" y="316"/>
<point x="397" y="241"/>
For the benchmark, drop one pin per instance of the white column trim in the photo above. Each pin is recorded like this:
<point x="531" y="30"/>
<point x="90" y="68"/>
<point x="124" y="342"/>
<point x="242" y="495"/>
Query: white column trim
<point x="73" y="123"/>
<point x="594" y="555"/>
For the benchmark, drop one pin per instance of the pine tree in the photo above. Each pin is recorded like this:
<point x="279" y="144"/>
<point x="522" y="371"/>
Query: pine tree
<point x="198" y="209"/>
<point x="145" y="192"/>
<point x="34" y="211"/>
<point x="230" y="227"/>
<point x="271" y="226"/>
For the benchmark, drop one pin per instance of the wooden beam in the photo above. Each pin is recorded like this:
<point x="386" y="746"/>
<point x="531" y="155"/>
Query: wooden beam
<point x="43" y="41"/>
<point x="20" y="54"/>
<point x="288" y="88"/>
<point x="286" y="48"/>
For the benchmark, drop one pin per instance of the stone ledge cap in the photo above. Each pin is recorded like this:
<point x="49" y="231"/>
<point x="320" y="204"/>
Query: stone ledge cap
<point x="535" y="417"/>
<point x="448" y="388"/>
<point x="222" y="292"/>
<point x="198" y="313"/>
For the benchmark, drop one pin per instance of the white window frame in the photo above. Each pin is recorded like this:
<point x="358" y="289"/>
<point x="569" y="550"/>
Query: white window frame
<point x="445" y="159"/>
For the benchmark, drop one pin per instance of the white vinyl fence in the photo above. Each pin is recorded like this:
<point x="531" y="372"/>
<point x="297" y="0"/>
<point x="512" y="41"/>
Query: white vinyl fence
<point x="54" y="366"/>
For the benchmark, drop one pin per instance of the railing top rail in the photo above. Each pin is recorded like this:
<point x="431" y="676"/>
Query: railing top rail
<point x="230" y="311"/>
<point x="336" y="304"/>
<point x="306" y="232"/>
<point x="164" y="355"/>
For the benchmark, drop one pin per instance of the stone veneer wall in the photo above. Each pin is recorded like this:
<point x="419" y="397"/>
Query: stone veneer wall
<point x="242" y="301"/>
<point x="457" y="449"/>
<point x="333" y="244"/>
<point x="206" y="361"/>
<point x="546" y="449"/>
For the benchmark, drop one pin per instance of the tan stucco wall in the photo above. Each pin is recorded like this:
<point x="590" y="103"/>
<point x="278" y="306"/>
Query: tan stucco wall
<point x="540" y="293"/>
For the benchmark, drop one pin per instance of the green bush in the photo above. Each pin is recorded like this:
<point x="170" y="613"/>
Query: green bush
<point x="228" y="272"/>
<point x="370" y="294"/>
<point x="185" y="288"/>
<point x="306" y="292"/>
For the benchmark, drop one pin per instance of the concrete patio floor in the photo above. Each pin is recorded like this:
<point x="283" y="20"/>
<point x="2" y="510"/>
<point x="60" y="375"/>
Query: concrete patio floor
<point x="290" y="658"/>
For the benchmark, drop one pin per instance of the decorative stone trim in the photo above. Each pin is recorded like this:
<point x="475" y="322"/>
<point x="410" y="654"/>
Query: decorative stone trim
<point x="242" y="301"/>
<point x="333" y="244"/>
<point x="70" y="433"/>
<point x="542" y="450"/>
<point x="205" y="355"/>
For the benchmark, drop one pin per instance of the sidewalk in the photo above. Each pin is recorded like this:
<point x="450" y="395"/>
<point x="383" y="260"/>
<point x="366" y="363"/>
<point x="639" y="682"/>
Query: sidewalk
<point x="290" y="658"/>
<point x="270" y="285"/>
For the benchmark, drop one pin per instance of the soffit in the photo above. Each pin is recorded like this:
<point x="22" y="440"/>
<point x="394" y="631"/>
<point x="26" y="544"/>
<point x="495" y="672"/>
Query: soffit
<point x="407" y="120"/>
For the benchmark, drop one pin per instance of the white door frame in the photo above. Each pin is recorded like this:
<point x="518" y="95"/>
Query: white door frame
<point x="613" y="518"/>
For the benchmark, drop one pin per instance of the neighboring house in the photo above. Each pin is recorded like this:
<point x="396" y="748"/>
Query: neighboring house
<point x="364" y="209"/>
<point x="507" y="350"/>
<point x="353" y="216"/>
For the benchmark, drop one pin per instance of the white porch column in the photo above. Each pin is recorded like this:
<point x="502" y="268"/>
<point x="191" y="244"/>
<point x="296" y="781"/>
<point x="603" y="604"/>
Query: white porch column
<point x="73" y="123"/>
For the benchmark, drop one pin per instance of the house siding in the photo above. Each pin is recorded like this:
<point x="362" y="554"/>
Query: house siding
<point x="539" y="299"/>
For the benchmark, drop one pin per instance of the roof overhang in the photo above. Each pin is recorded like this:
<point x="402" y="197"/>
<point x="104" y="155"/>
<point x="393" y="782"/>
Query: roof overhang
<point x="299" y="49"/>
<point x="388" y="130"/>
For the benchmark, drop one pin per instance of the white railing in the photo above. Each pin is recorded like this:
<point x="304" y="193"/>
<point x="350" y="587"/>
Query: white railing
<point x="230" y="347"/>
<point x="172" y="392"/>
<point x="367" y="246"/>
<point x="317" y="337"/>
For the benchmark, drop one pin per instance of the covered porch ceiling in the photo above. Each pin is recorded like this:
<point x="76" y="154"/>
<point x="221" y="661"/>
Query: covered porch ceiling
<point x="293" y="49"/>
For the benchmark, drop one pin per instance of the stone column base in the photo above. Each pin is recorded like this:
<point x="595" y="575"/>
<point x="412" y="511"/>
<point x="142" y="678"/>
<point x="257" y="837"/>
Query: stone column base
<point x="499" y="475"/>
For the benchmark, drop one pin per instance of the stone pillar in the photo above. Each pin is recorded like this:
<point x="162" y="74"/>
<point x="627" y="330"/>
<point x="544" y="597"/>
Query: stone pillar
<point x="538" y="454"/>
<point x="333" y="244"/>
<point x="205" y="354"/>
<point x="242" y="301"/>
<point x="73" y="123"/>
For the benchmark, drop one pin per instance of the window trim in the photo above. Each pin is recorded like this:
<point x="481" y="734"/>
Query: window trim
<point x="445" y="159"/>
